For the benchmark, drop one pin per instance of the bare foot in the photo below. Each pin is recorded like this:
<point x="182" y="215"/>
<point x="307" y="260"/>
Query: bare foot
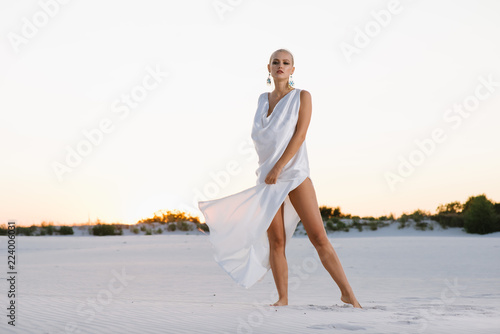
<point x="350" y="300"/>
<point x="281" y="302"/>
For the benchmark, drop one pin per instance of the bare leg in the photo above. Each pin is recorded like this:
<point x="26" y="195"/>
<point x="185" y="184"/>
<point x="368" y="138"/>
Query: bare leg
<point x="304" y="201"/>
<point x="277" y="258"/>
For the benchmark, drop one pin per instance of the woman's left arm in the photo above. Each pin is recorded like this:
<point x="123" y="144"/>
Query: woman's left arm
<point x="297" y="139"/>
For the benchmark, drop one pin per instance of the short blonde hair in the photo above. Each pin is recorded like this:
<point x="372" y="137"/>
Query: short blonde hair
<point x="280" y="50"/>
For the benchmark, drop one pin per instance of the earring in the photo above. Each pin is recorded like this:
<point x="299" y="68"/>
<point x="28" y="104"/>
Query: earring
<point x="269" y="79"/>
<point x="290" y="82"/>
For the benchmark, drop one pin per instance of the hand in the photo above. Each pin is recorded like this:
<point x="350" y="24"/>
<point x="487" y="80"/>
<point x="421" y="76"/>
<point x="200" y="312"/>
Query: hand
<point x="273" y="174"/>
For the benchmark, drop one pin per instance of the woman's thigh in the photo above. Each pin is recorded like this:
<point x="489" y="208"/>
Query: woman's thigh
<point x="303" y="199"/>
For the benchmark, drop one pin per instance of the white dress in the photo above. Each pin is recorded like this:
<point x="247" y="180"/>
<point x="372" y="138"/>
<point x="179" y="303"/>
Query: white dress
<point x="238" y="223"/>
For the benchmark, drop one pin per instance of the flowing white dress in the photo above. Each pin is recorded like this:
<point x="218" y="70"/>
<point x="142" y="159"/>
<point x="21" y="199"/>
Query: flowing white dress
<point x="238" y="223"/>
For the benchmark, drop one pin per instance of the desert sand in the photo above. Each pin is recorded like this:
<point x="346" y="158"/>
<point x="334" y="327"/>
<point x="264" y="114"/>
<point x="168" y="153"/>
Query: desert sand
<point x="408" y="281"/>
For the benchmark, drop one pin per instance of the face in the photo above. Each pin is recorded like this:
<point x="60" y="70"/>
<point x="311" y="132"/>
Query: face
<point x="281" y="65"/>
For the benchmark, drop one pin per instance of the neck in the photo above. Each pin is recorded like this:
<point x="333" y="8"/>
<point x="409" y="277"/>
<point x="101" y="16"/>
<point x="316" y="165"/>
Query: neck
<point x="281" y="87"/>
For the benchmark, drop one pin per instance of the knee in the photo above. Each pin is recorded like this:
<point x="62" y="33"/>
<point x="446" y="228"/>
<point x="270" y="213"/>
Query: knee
<point x="277" y="242"/>
<point x="320" y="241"/>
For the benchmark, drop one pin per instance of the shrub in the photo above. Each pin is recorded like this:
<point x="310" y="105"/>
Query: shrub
<point x="103" y="229"/>
<point x="27" y="231"/>
<point x="171" y="227"/>
<point x="135" y="230"/>
<point x="330" y="226"/>
<point x="446" y="220"/>
<point x="326" y="212"/>
<point x="66" y="230"/>
<point x="373" y="226"/>
<point x="184" y="226"/>
<point x="404" y="218"/>
<point x="159" y="230"/>
<point x="148" y="231"/>
<point x="168" y="216"/>
<point x="205" y="228"/>
<point x="47" y="228"/>
<point x="143" y="228"/>
<point x="335" y="224"/>
<point x="479" y="216"/>
<point x="422" y="226"/>
<point x="357" y="225"/>
<point x="336" y="212"/>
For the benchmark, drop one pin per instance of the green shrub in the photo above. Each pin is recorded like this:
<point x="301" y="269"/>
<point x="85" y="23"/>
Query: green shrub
<point x="446" y="220"/>
<point x="66" y="230"/>
<point x="159" y="230"/>
<point x="135" y="230"/>
<point x="143" y="228"/>
<point x="184" y="226"/>
<point x="335" y="224"/>
<point x="103" y="229"/>
<point x="330" y="226"/>
<point x="479" y="216"/>
<point x="422" y="226"/>
<point x="404" y="218"/>
<point x="171" y="227"/>
<point x="27" y="231"/>
<point x="47" y="229"/>
<point x="373" y="226"/>
<point x="148" y="231"/>
<point x="357" y="225"/>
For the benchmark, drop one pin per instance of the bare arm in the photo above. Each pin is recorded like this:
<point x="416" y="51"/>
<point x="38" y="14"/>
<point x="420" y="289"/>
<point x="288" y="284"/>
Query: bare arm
<point x="297" y="139"/>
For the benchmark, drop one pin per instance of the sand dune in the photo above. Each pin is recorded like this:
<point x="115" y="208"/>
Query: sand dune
<point x="414" y="282"/>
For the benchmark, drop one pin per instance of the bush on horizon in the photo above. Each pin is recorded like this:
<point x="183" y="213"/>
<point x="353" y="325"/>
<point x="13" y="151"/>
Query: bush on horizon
<point x="106" y="229"/>
<point x="168" y="216"/>
<point x="335" y="224"/>
<point x="203" y="227"/>
<point x="184" y="226"/>
<point x="480" y="216"/>
<point x="66" y="230"/>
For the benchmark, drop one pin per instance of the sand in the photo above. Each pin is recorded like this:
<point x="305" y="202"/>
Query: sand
<point x="407" y="281"/>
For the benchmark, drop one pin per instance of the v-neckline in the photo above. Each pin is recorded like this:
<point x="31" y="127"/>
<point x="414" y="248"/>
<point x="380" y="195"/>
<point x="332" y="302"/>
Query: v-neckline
<point x="268" y="104"/>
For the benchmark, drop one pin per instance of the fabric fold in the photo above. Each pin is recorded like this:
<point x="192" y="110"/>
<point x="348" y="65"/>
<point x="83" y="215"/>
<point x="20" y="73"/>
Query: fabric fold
<point x="238" y="223"/>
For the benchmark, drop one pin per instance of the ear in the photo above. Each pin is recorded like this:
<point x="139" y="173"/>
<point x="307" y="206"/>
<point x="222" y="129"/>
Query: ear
<point x="293" y="69"/>
<point x="268" y="68"/>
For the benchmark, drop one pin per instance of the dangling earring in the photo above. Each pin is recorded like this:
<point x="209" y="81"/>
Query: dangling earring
<point x="269" y="79"/>
<point x="290" y="82"/>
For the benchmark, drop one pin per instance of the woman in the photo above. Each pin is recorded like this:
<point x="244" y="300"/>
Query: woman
<point x="249" y="230"/>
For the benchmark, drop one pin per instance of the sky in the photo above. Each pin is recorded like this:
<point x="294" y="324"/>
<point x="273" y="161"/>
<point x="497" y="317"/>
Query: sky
<point x="114" y="110"/>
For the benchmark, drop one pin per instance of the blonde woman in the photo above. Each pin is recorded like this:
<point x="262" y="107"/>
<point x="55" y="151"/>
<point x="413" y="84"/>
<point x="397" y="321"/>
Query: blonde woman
<point x="249" y="230"/>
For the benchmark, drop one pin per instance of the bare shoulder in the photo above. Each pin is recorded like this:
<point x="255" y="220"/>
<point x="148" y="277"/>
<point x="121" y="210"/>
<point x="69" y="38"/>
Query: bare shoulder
<point x="305" y="96"/>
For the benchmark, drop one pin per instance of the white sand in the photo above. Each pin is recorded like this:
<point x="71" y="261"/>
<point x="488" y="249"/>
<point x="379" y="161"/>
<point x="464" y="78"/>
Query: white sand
<point x="407" y="281"/>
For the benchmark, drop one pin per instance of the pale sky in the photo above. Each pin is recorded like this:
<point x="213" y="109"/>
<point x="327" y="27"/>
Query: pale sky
<point x="155" y="100"/>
